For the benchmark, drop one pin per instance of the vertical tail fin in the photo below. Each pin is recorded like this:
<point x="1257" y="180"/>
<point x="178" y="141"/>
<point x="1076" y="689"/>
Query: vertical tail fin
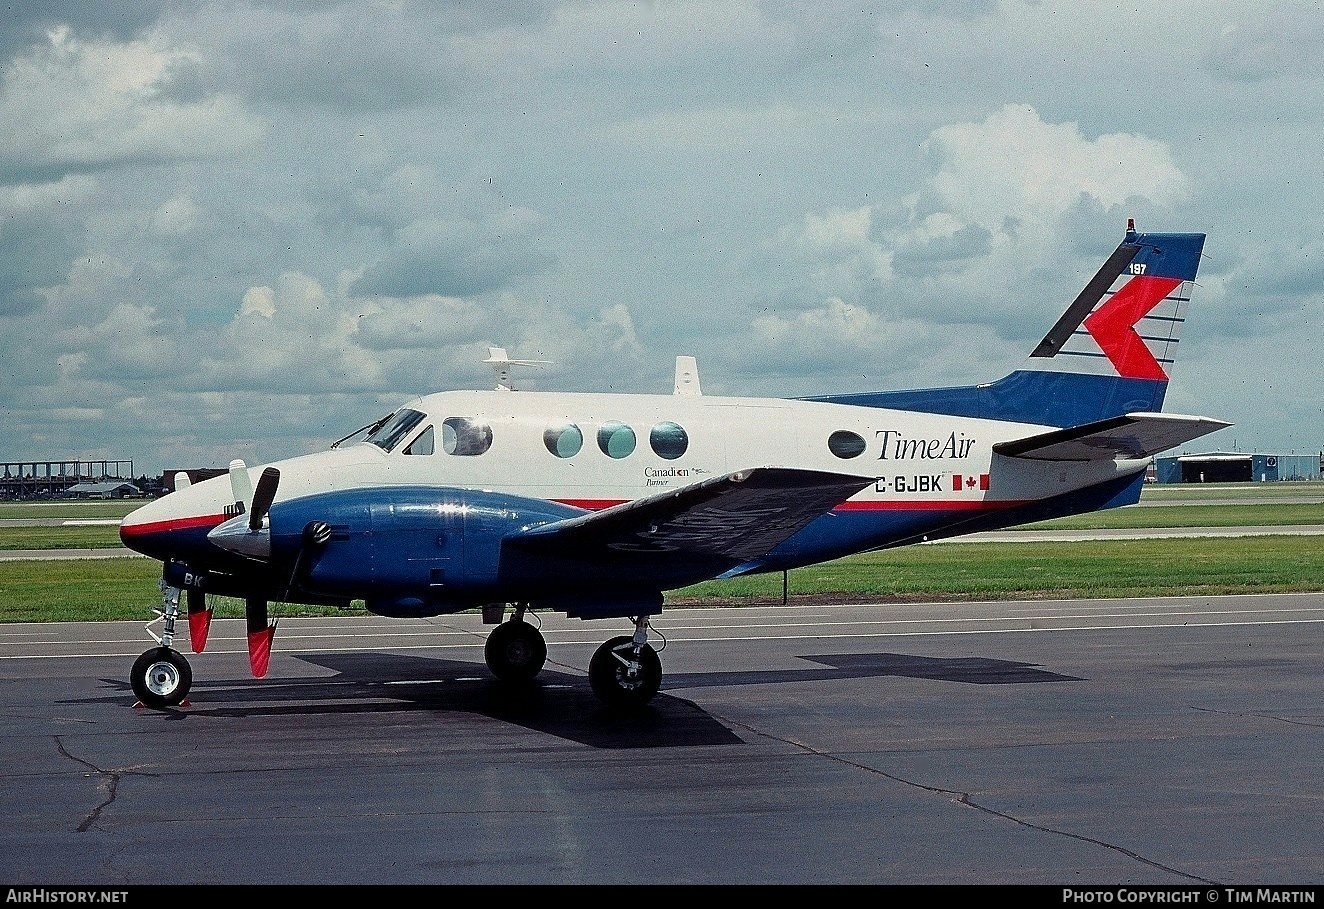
<point x="1110" y="353"/>
<point x="1127" y="321"/>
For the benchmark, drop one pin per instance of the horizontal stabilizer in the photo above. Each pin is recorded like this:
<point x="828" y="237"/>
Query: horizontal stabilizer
<point x="737" y="516"/>
<point x="1133" y="435"/>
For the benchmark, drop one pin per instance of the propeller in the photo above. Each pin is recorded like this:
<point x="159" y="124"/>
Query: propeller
<point x="256" y="543"/>
<point x="199" y="619"/>
<point x="260" y="633"/>
<point x="262" y="498"/>
<point x="241" y="487"/>
<point x="260" y="629"/>
<point x="316" y="534"/>
<point x="199" y="613"/>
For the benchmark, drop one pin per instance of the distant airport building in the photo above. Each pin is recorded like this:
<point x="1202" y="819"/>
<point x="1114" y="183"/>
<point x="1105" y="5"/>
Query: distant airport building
<point x="35" y="479"/>
<point x="1237" y="467"/>
<point x="109" y="489"/>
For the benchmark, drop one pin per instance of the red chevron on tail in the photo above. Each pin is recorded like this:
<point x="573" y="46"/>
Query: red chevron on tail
<point x="1113" y="326"/>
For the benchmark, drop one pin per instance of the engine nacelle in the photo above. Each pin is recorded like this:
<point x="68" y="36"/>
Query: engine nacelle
<point x="405" y="551"/>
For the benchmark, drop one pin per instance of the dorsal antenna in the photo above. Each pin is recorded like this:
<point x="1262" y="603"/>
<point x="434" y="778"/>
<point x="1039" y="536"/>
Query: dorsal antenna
<point x="499" y="361"/>
<point x="687" y="377"/>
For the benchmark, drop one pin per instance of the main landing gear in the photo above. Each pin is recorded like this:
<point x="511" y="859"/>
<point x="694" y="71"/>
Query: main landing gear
<point x="161" y="677"/>
<point x="624" y="672"/>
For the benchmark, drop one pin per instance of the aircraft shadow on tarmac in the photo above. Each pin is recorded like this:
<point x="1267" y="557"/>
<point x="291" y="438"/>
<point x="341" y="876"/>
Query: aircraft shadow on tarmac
<point x="557" y="703"/>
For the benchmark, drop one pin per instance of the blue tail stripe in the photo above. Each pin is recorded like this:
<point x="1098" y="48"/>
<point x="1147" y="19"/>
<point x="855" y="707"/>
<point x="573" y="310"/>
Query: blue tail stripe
<point x="1045" y="398"/>
<point x="1168" y="255"/>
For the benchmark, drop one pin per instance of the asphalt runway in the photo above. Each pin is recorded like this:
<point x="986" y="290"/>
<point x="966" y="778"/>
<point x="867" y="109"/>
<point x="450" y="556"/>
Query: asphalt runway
<point x="1112" y="742"/>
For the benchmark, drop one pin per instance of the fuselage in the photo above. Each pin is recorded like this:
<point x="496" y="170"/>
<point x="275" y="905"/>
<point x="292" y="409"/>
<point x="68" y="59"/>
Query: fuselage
<point x="932" y="474"/>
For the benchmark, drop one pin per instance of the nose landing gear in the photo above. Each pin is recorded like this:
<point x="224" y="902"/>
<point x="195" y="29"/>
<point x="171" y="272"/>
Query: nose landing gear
<point x="161" y="677"/>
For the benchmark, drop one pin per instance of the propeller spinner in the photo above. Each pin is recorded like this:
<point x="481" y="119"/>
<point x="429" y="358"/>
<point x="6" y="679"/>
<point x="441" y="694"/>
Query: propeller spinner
<point x="247" y="533"/>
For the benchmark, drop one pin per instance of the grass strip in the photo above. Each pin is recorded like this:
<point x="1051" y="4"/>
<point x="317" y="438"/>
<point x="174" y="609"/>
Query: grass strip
<point x="126" y="589"/>
<point x="1048" y="570"/>
<point x="59" y="537"/>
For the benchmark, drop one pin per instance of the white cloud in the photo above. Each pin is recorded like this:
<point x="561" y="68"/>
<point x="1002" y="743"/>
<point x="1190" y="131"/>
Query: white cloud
<point x="291" y="336"/>
<point x="990" y="213"/>
<point x="73" y="104"/>
<point x="178" y="215"/>
<point x="36" y="197"/>
<point x="809" y="201"/>
<point x="617" y="325"/>
<point x="1014" y="165"/>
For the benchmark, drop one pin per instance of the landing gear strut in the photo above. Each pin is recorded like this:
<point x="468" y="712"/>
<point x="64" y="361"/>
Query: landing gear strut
<point x="161" y="677"/>
<point x="626" y="672"/>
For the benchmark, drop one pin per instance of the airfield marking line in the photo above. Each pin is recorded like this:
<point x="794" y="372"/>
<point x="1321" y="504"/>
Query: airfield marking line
<point x="294" y="651"/>
<point x="15" y="640"/>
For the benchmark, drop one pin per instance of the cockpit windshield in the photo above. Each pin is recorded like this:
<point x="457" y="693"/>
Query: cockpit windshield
<point x="392" y="431"/>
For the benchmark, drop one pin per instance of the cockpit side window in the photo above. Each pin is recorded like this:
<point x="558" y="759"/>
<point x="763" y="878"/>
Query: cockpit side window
<point x="425" y="444"/>
<point x="465" y="436"/>
<point x="395" y="429"/>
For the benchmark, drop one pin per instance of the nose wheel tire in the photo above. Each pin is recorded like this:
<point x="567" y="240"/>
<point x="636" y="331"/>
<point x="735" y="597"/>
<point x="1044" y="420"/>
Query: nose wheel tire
<point x="515" y="651"/>
<point x="620" y="677"/>
<point x="161" y="678"/>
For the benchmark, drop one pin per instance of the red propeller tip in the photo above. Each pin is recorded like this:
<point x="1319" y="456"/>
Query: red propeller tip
<point x="259" y="650"/>
<point x="199" y="624"/>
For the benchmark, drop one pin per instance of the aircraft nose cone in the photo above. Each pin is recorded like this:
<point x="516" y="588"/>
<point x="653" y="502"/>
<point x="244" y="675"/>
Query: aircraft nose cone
<point x="235" y="536"/>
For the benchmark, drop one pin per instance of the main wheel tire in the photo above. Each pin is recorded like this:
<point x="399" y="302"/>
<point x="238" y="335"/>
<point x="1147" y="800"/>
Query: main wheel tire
<point x="515" y="651"/>
<point x="161" y="678"/>
<point x="611" y="678"/>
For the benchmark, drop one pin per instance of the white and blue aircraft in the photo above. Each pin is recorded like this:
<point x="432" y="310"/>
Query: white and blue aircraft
<point x="594" y="505"/>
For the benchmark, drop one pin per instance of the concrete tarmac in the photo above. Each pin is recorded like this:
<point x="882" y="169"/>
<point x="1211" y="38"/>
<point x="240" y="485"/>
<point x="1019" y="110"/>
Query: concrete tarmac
<point x="1175" y="742"/>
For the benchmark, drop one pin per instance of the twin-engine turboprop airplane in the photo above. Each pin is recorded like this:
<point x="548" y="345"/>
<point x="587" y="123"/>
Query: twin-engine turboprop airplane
<point x="595" y="504"/>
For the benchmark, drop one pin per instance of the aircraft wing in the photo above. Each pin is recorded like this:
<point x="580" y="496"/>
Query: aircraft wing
<point x="737" y="516"/>
<point x="1133" y="435"/>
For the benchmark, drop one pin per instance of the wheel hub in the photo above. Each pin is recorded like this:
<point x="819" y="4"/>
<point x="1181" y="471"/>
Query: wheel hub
<point x="162" y="678"/>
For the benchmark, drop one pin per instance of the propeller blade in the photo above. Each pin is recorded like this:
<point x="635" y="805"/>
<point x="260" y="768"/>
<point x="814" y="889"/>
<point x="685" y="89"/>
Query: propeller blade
<point x="262" y="498"/>
<point x="199" y="619"/>
<point x="316" y="534"/>
<point x="241" y="487"/>
<point x="260" y="634"/>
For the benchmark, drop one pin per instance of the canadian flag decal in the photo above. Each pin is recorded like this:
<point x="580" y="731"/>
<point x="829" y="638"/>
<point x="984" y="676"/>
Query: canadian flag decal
<point x="963" y="482"/>
<point x="1113" y="326"/>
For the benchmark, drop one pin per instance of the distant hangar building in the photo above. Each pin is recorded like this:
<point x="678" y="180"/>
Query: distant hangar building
<point x="1238" y="467"/>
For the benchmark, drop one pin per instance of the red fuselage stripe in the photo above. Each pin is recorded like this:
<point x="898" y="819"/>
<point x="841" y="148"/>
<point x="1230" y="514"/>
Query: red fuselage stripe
<point x="890" y="505"/>
<point x="192" y="523"/>
<point x="591" y="504"/>
<point x="944" y="505"/>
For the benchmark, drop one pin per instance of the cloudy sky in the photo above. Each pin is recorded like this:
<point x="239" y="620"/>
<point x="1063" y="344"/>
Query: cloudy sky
<point x="245" y="229"/>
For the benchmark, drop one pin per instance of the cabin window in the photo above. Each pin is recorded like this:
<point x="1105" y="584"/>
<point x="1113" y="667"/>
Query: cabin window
<point x="846" y="444"/>
<point x="395" y="429"/>
<point x="615" y="439"/>
<point x="465" y="436"/>
<point x="564" y="441"/>
<point x="425" y="444"/>
<point x="669" y="440"/>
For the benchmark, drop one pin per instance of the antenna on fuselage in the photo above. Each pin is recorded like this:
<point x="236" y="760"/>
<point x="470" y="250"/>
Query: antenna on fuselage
<point x="497" y="358"/>
<point x="687" y="376"/>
